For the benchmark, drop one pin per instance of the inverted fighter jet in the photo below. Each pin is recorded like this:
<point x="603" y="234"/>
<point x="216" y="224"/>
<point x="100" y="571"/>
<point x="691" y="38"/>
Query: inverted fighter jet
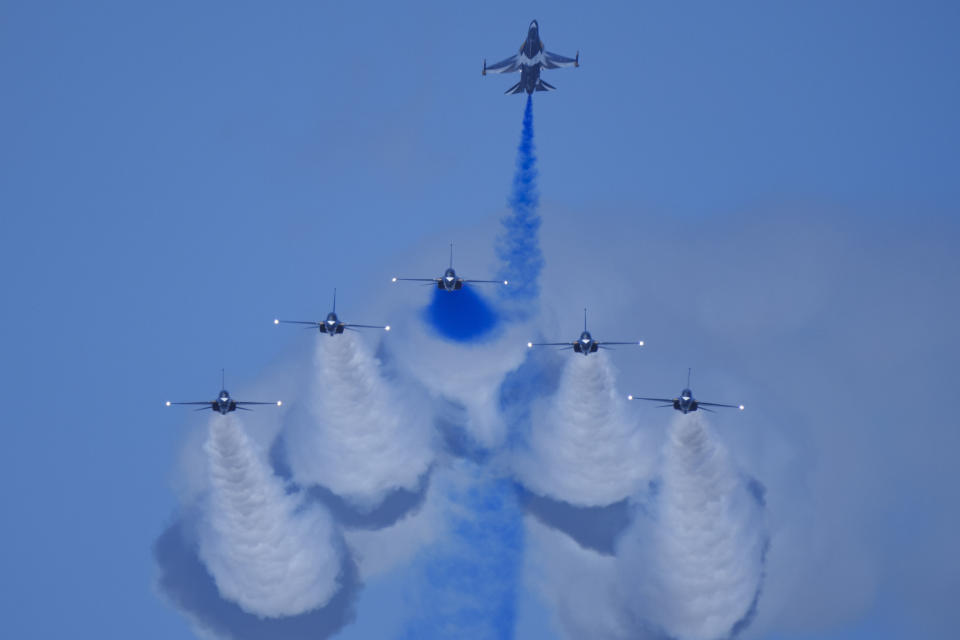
<point x="686" y="402"/>
<point x="224" y="404"/>
<point x="450" y="280"/>
<point x="332" y="325"/>
<point x="585" y="344"/>
<point x="531" y="58"/>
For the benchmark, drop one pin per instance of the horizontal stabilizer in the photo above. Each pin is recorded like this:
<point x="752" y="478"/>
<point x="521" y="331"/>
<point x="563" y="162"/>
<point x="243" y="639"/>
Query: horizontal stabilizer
<point x="514" y="89"/>
<point x="545" y="86"/>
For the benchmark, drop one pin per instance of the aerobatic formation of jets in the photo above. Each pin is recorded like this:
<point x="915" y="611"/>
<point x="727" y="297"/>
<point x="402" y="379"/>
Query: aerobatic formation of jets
<point x="529" y="61"/>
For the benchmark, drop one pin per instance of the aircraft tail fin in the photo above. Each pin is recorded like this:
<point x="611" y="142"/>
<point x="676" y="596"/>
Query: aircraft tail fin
<point x="545" y="86"/>
<point x="334" y="299"/>
<point x="517" y="88"/>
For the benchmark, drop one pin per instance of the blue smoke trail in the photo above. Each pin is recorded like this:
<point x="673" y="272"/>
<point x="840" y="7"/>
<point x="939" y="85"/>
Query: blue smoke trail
<point x="469" y="585"/>
<point x="518" y="245"/>
<point x="461" y="316"/>
<point x="471" y="582"/>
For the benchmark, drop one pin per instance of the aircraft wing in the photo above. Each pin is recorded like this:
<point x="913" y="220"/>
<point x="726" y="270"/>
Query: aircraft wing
<point x="556" y="61"/>
<point x="313" y="323"/>
<point x="488" y="281"/>
<point x="509" y="65"/>
<point x="635" y="342"/>
<point x="416" y="279"/>
<point x="550" y="344"/>
<point x="276" y="404"/>
<point x="714" y="404"/>
<point x="667" y="400"/>
<point x="350" y="325"/>
<point x="207" y="403"/>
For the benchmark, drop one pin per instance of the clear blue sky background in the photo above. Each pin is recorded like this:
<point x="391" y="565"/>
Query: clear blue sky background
<point x="174" y="174"/>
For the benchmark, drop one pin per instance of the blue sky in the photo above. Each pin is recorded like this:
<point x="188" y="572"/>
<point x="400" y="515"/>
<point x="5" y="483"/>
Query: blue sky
<point x="172" y="177"/>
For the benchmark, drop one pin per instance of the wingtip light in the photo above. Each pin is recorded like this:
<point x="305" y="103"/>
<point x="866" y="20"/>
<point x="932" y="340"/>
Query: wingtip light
<point x="386" y="328"/>
<point x="506" y="282"/>
<point x="394" y="280"/>
<point x="640" y="343"/>
<point x="279" y="403"/>
<point x="530" y="345"/>
<point x="741" y="407"/>
<point x="168" y="403"/>
<point x="276" y="321"/>
<point x="629" y="397"/>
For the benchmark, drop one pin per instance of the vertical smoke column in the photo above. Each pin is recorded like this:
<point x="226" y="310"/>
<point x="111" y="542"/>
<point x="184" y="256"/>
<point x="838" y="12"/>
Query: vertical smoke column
<point x="701" y="563"/>
<point x="264" y="553"/>
<point x="468" y="583"/>
<point x="518" y="245"/>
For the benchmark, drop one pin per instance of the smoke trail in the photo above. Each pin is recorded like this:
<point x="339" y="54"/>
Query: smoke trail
<point x="461" y="316"/>
<point x="518" y="245"/>
<point x="702" y="556"/>
<point x="468" y="583"/>
<point x="265" y="554"/>
<point x="582" y="450"/>
<point x="364" y="441"/>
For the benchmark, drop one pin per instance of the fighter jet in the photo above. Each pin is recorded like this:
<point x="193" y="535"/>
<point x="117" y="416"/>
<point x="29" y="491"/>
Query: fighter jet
<point x="332" y="325"/>
<point x="686" y="402"/>
<point x="224" y="404"/>
<point x="529" y="61"/>
<point x="585" y="344"/>
<point x="450" y="280"/>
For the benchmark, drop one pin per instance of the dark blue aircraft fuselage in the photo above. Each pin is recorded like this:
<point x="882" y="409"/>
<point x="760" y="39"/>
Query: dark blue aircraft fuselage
<point x="685" y="403"/>
<point x="450" y="281"/>
<point x="586" y="344"/>
<point x="332" y="325"/>
<point x="224" y="404"/>
<point x="531" y="49"/>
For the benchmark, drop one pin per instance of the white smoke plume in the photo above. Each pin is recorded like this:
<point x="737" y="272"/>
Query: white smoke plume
<point x="265" y="553"/>
<point x="582" y="449"/>
<point x="696" y="569"/>
<point x="468" y="374"/>
<point x="578" y="585"/>
<point x="365" y="440"/>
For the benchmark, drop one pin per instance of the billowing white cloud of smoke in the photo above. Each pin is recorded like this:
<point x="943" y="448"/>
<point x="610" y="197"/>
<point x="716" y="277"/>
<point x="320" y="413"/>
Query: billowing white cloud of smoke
<point x="579" y="585"/>
<point x="696" y="569"/>
<point x="265" y="553"/>
<point x="466" y="373"/>
<point x="365" y="440"/>
<point x="582" y="448"/>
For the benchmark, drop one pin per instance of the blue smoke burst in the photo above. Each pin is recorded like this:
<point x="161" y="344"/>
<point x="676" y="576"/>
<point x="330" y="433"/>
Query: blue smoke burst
<point x="461" y="316"/>
<point x="518" y="245"/>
